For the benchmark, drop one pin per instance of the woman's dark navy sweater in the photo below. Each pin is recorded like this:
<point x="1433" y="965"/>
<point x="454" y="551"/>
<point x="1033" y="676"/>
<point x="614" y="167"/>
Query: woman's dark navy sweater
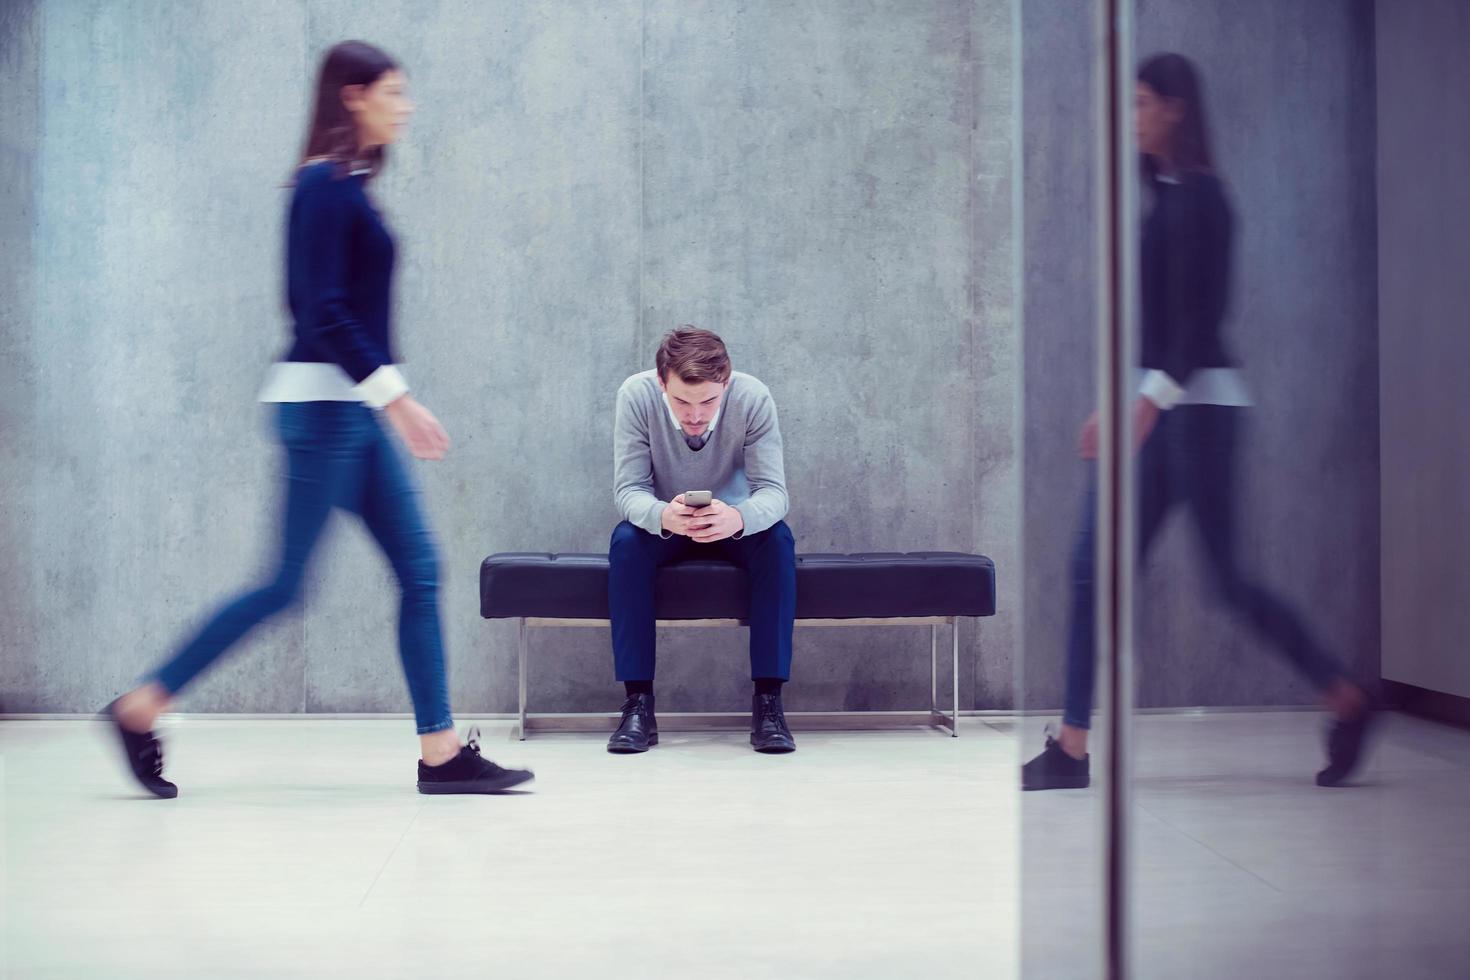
<point x="339" y="273"/>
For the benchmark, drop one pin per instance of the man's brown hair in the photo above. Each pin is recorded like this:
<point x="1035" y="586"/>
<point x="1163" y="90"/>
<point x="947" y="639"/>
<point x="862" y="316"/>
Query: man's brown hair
<point x="694" y="355"/>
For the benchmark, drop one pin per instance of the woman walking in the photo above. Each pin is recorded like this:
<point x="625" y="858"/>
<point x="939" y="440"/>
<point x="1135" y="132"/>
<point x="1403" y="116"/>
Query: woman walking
<point x="1186" y="423"/>
<point x="332" y="395"/>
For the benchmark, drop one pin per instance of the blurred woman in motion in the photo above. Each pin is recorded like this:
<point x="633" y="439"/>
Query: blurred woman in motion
<point x="1186" y="420"/>
<point x="337" y="394"/>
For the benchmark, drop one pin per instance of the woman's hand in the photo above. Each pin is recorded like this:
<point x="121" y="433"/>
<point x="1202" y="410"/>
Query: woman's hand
<point x="1145" y="417"/>
<point x="417" y="427"/>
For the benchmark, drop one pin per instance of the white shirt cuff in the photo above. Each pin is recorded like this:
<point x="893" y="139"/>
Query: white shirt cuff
<point x="1161" y="389"/>
<point x="383" y="386"/>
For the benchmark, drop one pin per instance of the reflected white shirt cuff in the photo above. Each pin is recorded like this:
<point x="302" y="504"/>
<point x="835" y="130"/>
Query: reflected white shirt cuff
<point x="1161" y="389"/>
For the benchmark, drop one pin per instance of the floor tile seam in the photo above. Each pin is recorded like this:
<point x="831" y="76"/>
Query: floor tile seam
<point x="387" y="860"/>
<point x="1224" y="857"/>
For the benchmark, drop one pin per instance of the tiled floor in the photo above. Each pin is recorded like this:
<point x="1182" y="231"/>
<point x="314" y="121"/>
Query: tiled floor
<point x="298" y="848"/>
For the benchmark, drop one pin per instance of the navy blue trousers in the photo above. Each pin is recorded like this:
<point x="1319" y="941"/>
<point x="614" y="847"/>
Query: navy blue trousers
<point x="769" y="560"/>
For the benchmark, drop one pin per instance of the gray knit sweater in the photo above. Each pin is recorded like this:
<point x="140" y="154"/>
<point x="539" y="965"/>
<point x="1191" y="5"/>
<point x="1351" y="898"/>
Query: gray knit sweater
<point x="740" y="460"/>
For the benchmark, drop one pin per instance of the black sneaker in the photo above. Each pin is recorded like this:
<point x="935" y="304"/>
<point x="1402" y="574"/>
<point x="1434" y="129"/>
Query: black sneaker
<point x="638" y="729"/>
<point x="768" y="731"/>
<point x="1055" y="769"/>
<point x="469" y="772"/>
<point x="144" y="755"/>
<point x="1345" y="747"/>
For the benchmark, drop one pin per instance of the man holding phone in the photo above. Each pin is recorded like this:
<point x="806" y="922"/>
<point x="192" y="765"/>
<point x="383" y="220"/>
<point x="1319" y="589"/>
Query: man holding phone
<point x="698" y="473"/>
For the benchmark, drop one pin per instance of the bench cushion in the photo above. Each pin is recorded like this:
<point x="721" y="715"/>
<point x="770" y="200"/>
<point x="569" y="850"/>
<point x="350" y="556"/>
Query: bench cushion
<point x="879" y="586"/>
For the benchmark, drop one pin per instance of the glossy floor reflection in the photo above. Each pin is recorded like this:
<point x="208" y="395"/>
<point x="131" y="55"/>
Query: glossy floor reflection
<point x="1243" y="867"/>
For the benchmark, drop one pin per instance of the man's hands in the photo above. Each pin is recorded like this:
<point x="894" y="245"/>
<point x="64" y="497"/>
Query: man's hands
<point x="677" y="516"/>
<point x="720" y="521"/>
<point x="703" y="524"/>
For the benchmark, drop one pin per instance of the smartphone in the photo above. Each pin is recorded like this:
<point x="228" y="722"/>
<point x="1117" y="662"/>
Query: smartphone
<point x="698" y="498"/>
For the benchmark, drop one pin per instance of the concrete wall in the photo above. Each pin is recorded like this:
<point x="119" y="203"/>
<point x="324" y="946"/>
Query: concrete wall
<point x="1290" y="91"/>
<point x="20" y="78"/>
<point x="1424" y="293"/>
<point x="825" y="184"/>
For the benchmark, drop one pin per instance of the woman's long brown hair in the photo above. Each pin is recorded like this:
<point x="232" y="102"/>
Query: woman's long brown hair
<point x="332" y="134"/>
<point x="1173" y="76"/>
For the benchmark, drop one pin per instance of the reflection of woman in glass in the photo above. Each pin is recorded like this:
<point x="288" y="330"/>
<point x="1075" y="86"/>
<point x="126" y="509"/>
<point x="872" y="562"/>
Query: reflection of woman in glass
<point x="1186" y="422"/>
<point x="338" y="396"/>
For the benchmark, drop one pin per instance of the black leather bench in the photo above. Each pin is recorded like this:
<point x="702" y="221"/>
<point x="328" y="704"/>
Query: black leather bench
<point x="924" y="588"/>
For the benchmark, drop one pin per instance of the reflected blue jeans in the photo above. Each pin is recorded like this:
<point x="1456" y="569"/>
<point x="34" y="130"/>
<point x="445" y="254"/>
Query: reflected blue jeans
<point x="1188" y="461"/>
<point x="339" y="457"/>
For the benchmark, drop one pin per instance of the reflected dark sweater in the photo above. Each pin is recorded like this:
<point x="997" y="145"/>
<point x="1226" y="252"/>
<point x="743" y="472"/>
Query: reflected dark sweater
<point x="1184" y="272"/>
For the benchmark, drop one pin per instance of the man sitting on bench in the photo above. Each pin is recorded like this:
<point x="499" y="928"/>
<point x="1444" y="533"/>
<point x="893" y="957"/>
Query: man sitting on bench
<point x="693" y="428"/>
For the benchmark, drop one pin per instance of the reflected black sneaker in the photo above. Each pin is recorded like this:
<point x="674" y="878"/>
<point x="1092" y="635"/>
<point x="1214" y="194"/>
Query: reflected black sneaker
<point x="1055" y="769"/>
<point x="638" y="729"/>
<point x="1345" y="747"/>
<point x="469" y="772"/>
<point x="768" y="731"/>
<point x="144" y="754"/>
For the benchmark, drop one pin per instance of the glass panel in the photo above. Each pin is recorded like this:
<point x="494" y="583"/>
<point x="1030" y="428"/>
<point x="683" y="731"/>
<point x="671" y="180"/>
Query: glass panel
<point x="1293" y="508"/>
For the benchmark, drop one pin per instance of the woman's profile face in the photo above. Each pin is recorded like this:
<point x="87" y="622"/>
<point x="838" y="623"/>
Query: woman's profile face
<point x="381" y="110"/>
<point x="1154" y="120"/>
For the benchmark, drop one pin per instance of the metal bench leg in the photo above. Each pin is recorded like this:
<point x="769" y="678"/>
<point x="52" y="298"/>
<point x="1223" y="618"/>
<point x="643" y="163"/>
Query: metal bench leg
<point x="521" y="651"/>
<point x="933" y="668"/>
<point x="954" y="632"/>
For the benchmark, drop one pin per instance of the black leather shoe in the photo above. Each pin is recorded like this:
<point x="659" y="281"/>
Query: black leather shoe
<point x="768" y="731"/>
<point x="144" y="755"/>
<point x="638" y="729"/>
